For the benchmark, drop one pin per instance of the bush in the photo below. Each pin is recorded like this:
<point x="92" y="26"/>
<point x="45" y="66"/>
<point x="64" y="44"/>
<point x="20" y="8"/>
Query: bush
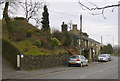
<point x="58" y="35"/>
<point x="20" y="35"/>
<point x="29" y="33"/>
<point x="19" y="18"/>
<point x="47" y="43"/>
<point x="37" y="43"/>
<point x="55" y="42"/>
<point x="26" y="49"/>
<point x="67" y="40"/>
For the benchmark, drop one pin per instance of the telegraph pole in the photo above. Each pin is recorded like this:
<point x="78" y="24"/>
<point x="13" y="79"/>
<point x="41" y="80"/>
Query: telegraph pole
<point x="101" y="44"/>
<point x="113" y="45"/>
<point x="80" y="34"/>
<point x="101" y="41"/>
<point x="113" y="40"/>
<point x="70" y="23"/>
<point x="81" y="24"/>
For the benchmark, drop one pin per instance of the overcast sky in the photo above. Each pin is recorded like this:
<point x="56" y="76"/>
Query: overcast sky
<point x="95" y="26"/>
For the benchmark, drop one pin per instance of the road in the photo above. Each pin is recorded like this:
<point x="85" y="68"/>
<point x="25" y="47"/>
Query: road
<point x="104" y="70"/>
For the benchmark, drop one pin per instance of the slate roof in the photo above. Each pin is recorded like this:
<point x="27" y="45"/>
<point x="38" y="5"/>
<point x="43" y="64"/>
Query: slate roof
<point x="85" y="38"/>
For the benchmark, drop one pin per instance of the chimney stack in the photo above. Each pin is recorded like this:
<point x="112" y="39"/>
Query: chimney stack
<point x="74" y="26"/>
<point x="64" y="27"/>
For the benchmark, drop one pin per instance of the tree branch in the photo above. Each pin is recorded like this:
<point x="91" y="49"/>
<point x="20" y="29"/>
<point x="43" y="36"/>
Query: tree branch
<point x="99" y="8"/>
<point x="31" y="8"/>
<point x="1" y="2"/>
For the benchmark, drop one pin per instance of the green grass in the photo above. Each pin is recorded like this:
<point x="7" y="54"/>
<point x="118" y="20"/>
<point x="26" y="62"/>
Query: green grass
<point x="34" y="50"/>
<point x="46" y="52"/>
<point x="58" y="51"/>
<point x="21" y="45"/>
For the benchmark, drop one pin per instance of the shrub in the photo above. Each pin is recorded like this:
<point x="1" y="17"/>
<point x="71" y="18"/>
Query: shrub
<point x="57" y="35"/>
<point x="20" y="35"/>
<point x="19" y="18"/>
<point x="47" y="43"/>
<point x="37" y="43"/>
<point x="37" y="31"/>
<point x="26" y="49"/>
<point x="29" y="33"/>
<point x="67" y="40"/>
<point x="55" y="42"/>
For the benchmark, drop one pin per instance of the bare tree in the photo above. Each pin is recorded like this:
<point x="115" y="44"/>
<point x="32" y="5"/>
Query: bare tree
<point x="1" y="2"/>
<point x="31" y="9"/>
<point x="7" y="20"/>
<point x="101" y="9"/>
<point x="38" y="22"/>
<point x="13" y="6"/>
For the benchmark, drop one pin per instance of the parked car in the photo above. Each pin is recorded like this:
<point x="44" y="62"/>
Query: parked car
<point x="109" y="57"/>
<point x="78" y="60"/>
<point x="103" y="57"/>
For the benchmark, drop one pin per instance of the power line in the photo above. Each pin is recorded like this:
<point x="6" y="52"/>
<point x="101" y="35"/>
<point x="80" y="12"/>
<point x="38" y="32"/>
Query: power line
<point x="62" y="13"/>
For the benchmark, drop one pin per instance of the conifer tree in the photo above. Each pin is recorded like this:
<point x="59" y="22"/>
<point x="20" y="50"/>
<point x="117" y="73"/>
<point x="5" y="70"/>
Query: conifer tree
<point x="45" y="20"/>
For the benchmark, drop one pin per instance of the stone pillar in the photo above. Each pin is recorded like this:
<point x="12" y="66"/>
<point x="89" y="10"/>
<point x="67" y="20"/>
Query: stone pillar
<point x="90" y="56"/>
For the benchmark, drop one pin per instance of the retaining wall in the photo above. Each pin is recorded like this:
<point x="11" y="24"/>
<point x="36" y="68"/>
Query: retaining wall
<point x="29" y="62"/>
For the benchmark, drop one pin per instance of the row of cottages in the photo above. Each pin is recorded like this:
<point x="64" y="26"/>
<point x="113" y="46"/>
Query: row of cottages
<point x="89" y="47"/>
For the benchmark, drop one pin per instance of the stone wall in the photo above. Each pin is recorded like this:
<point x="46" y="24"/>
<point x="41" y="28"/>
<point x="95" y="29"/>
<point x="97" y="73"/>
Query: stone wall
<point x="29" y="62"/>
<point x="10" y="52"/>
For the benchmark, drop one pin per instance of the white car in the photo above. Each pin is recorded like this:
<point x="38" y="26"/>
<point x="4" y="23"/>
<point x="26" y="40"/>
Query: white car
<point x="78" y="60"/>
<point x="103" y="57"/>
<point x="110" y="57"/>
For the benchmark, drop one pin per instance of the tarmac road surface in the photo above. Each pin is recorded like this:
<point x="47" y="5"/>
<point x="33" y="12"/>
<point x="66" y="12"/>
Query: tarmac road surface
<point x="96" y="70"/>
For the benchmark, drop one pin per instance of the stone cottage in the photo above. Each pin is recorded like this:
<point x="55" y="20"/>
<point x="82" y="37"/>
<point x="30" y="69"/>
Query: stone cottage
<point x="88" y="46"/>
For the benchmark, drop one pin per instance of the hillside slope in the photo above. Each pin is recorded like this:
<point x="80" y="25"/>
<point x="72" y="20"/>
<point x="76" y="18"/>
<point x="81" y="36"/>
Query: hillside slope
<point x="29" y="39"/>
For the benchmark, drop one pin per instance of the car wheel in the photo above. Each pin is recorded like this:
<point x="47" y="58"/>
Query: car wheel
<point x="69" y="65"/>
<point x="87" y="64"/>
<point x="81" y="64"/>
<point x="107" y="60"/>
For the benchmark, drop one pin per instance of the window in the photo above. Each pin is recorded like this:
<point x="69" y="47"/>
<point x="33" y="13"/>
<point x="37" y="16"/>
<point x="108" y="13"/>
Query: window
<point x="82" y="57"/>
<point x="74" y="57"/>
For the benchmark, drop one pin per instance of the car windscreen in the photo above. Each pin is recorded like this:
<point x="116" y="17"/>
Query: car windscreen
<point x="108" y="54"/>
<point x="102" y="55"/>
<point x="74" y="57"/>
